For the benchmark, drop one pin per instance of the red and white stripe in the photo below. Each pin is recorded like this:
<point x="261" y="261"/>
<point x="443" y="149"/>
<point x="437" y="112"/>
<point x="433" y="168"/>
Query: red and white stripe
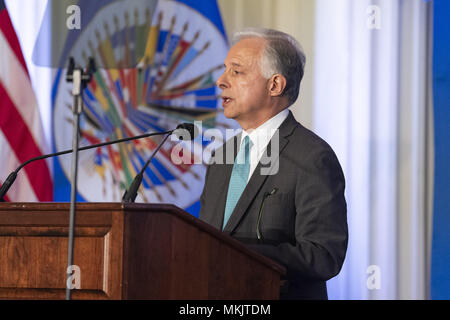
<point x="21" y="132"/>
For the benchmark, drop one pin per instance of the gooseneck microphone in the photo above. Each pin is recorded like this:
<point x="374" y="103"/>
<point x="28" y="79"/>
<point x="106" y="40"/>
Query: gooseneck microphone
<point x="185" y="131"/>
<point x="13" y="175"/>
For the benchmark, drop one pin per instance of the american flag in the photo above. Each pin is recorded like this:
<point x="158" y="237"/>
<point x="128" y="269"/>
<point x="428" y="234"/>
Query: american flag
<point x="21" y="132"/>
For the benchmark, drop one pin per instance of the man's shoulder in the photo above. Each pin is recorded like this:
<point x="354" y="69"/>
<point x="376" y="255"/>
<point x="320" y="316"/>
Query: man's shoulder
<point x="306" y="139"/>
<point x="308" y="148"/>
<point x="309" y="152"/>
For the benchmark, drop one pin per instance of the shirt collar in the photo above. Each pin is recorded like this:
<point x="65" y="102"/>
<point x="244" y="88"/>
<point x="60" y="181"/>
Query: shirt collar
<point x="261" y="136"/>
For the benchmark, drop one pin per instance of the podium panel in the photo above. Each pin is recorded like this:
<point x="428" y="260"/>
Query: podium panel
<point x="126" y="251"/>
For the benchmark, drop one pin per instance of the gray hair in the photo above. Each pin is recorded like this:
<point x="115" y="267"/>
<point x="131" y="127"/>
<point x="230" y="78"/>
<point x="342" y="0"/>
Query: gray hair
<point x="282" y="54"/>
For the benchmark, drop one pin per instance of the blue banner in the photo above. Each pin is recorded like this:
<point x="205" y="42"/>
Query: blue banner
<point x="440" y="265"/>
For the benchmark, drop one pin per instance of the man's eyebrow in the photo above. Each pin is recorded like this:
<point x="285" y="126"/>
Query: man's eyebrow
<point x="234" y="64"/>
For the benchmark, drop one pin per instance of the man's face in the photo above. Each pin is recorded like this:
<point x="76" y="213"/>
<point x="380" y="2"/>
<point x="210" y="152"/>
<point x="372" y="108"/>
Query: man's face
<point x="245" y="92"/>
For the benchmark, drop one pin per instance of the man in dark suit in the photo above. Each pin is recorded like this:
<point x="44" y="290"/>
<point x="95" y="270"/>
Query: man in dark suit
<point x="283" y="195"/>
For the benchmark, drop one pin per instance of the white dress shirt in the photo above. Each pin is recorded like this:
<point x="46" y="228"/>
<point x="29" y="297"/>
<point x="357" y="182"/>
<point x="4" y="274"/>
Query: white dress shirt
<point x="260" y="138"/>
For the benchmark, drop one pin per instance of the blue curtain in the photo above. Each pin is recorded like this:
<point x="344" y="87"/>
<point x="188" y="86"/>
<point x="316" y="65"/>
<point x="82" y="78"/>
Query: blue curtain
<point x="440" y="266"/>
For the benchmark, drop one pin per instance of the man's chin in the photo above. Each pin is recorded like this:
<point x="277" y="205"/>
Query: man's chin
<point x="229" y="114"/>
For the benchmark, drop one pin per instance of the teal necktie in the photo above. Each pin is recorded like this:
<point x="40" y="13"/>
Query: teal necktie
<point x="238" y="180"/>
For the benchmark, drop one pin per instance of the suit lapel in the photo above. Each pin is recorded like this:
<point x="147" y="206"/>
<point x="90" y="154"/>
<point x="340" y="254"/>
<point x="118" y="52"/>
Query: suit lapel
<point x="257" y="180"/>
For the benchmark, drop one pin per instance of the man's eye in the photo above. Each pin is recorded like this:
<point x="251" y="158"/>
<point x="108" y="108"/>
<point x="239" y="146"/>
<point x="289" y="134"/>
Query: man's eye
<point x="236" y="72"/>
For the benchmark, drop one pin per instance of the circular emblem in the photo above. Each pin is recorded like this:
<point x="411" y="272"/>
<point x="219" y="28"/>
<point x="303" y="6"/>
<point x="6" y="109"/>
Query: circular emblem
<point x="158" y="69"/>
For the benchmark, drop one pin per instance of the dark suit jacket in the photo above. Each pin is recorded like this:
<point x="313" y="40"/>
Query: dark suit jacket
<point x="303" y="225"/>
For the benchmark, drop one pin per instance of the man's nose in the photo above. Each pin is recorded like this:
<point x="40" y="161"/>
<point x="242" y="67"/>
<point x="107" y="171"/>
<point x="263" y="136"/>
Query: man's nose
<point x="222" y="82"/>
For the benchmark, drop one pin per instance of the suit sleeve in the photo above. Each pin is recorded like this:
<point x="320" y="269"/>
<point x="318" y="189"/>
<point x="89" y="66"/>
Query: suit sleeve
<point x="321" y="233"/>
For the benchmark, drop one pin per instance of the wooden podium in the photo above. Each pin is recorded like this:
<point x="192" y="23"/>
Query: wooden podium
<point x="126" y="251"/>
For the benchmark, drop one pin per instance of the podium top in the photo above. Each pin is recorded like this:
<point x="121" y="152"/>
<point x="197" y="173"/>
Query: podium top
<point x="26" y="211"/>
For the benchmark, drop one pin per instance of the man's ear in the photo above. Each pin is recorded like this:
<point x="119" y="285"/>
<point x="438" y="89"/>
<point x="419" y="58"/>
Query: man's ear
<point x="277" y="84"/>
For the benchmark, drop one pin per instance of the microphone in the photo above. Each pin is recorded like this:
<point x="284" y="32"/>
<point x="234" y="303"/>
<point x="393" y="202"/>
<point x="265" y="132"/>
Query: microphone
<point x="266" y="195"/>
<point x="188" y="127"/>
<point x="185" y="132"/>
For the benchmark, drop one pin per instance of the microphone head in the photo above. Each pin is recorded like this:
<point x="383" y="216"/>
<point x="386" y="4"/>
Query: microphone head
<point x="186" y="131"/>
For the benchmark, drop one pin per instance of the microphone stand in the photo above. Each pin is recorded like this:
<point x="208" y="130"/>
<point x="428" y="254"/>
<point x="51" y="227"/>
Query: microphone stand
<point x="80" y="79"/>
<point x="131" y="193"/>
<point x="13" y="175"/>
